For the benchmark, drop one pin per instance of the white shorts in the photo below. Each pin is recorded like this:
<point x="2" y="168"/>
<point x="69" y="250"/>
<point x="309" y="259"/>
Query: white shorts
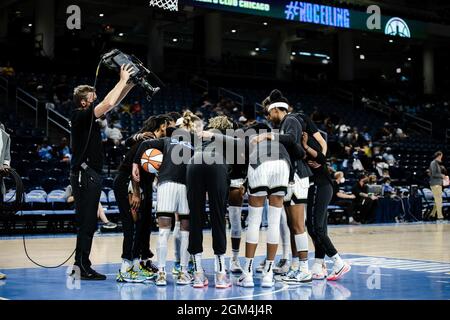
<point x="297" y="191"/>
<point x="171" y="197"/>
<point x="269" y="178"/>
<point x="237" y="183"/>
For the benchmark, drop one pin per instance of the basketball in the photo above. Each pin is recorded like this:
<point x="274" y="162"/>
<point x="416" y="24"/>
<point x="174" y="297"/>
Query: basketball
<point x="151" y="160"/>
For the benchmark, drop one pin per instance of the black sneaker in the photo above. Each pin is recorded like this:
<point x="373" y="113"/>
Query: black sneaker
<point x="150" y="266"/>
<point x="91" y="274"/>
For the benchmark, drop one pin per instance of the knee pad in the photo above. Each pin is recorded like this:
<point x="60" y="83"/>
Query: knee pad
<point x="284" y="228"/>
<point x="254" y="222"/>
<point x="301" y="242"/>
<point x="273" y="225"/>
<point x="235" y="222"/>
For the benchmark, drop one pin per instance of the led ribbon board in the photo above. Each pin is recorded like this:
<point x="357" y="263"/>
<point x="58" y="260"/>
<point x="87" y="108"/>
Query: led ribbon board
<point x="312" y="13"/>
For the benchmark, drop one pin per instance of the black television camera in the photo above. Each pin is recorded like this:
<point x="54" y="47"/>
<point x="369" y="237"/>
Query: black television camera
<point x="115" y="59"/>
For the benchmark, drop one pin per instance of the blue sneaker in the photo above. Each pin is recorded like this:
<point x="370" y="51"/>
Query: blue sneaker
<point x="176" y="268"/>
<point x="191" y="267"/>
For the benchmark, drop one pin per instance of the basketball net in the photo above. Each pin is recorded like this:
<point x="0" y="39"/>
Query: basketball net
<point x="171" y="5"/>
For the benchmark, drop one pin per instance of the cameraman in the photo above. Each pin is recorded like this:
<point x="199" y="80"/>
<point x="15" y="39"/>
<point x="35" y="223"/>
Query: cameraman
<point x="87" y="163"/>
<point x="5" y="159"/>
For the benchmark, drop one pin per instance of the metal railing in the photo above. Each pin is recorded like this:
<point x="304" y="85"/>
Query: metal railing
<point x="4" y="86"/>
<point x="420" y="123"/>
<point x="377" y="106"/>
<point x="225" y="93"/>
<point x="56" y="118"/>
<point x="345" y="95"/>
<point x="201" y="83"/>
<point x="28" y="100"/>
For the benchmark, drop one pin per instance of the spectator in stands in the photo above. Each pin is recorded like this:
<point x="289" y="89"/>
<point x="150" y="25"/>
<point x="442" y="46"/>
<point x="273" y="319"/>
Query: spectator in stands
<point x="64" y="153"/>
<point x="5" y="161"/>
<point x="100" y="213"/>
<point x="364" y="203"/>
<point x="436" y="183"/>
<point x="343" y="199"/>
<point x="366" y="134"/>
<point x="136" y="108"/>
<point x="45" y="151"/>
<point x="357" y="164"/>
<point x="372" y="180"/>
<point x="8" y="70"/>
<point x="113" y="134"/>
<point x="387" y="189"/>
<point x="334" y="165"/>
<point x="389" y="157"/>
<point x="380" y="165"/>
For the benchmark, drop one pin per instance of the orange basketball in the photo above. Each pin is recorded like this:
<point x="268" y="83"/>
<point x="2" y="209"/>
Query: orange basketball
<point x="151" y="160"/>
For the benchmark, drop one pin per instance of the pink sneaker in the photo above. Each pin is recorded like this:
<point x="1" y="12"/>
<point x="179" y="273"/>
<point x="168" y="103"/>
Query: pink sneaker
<point x="200" y="281"/>
<point x="320" y="275"/>
<point x="222" y="281"/>
<point x="335" y="275"/>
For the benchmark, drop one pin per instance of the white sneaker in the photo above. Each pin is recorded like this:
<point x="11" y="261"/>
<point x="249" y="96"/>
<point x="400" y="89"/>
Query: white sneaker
<point x="338" y="272"/>
<point x="246" y="280"/>
<point x="267" y="280"/>
<point x="161" y="279"/>
<point x="296" y="277"/>
<point x="319" y="271"/>
<point x="261" y="266"/>
<point x="282" y="267"/>
<point x="235" y="266"/>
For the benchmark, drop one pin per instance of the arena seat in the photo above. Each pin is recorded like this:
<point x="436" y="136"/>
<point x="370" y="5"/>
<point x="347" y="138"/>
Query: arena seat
<point x="57" y="199"/>
<point x="112" y="198"/>
<point x="36" y="200"/>
<point x="103" y="198"/>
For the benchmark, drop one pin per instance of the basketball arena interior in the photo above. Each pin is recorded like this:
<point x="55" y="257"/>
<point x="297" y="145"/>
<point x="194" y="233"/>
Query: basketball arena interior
<point x="369" y="77"/>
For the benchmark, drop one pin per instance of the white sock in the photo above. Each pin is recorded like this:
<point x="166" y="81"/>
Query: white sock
<point x="235" y="254"/>
<point x="198" y="262"/>
<point x="268" y="267"/>
<point x="285" y="236"/>
<point x="163" y="239"/>
<point x="350" y="219"/>
<point x="177" y="241"/>
<point x="295" y="263"/>
<point x="304" y="265"/>
<point x="184" y="254"/>
<point x="136" y="264"/>
<point x="220" y="263"/>
<point x="126" y="265"/>
<point x="338" y="263"/>
<point x="319" y="261"/>
<point x="248" y="266"/>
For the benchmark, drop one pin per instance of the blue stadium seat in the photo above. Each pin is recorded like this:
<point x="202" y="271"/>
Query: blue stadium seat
<point x="36" y="200"/>
<point x="103" y="198"/>
<point x="57" y="199"/>
<point x="112" y="198"/>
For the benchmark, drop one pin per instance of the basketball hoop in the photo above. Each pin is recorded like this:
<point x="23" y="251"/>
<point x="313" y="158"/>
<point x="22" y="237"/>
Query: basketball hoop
<point x="171" y="5"/>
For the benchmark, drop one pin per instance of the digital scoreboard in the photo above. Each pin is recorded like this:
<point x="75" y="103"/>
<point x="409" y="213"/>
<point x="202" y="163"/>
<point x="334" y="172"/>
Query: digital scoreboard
<point x="319" y="14"/>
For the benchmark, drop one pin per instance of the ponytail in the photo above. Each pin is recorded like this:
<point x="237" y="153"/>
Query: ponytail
<point x="188" y="120"/>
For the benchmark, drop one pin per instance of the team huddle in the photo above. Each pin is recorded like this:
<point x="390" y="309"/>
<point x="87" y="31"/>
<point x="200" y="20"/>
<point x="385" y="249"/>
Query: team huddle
<point x="283" y="165"/>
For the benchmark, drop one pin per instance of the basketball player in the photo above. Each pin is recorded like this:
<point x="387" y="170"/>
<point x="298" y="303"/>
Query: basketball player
<point x="314" y="135"/>
<point x="136" y="264"/>
<point x="290" y="135"/>
<point x="238" y="177"/>
<point x="208" y="172"/>
<point x="319" y="197"/>
<point x="172" y="193"/>
<point x="268" y="177"/>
